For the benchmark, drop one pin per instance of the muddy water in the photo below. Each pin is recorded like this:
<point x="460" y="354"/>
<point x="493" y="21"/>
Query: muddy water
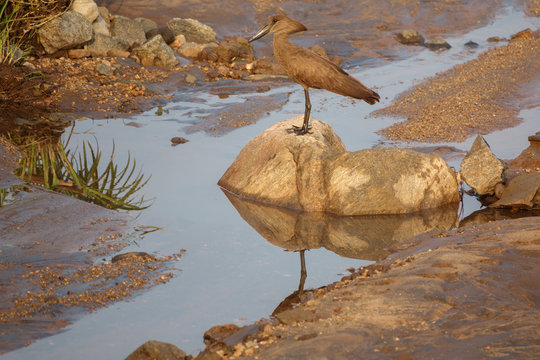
<point x="230" y="273"/>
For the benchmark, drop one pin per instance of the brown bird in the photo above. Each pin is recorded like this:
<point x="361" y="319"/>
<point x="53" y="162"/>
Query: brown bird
<point x="308" y="68"/>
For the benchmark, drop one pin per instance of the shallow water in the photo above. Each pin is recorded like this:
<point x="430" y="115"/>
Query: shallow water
<point x="230" y="274"/>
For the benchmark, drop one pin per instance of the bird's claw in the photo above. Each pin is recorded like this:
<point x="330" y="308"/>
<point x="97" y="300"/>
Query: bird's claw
<point x="300" y="130"/>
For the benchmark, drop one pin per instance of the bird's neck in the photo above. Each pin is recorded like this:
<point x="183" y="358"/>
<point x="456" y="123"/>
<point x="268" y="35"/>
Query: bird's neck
<point x="280" y="44"/>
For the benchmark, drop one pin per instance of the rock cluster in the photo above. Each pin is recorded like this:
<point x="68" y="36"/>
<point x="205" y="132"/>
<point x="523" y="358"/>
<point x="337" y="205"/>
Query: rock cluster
<point x="413" y="37"/>
<point x="88" y="30"/>
<point x="316" y="173"/>
<point x="488" y="176"/>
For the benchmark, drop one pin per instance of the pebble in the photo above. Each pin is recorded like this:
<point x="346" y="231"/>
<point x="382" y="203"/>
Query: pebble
<point x="104" y="69"/>
<point x="471" y="44"/>
<point x="190" y="79"/>
<point x="178" y="140"/>
<point x="410" y="37"/>
<point x="437" y="43"/>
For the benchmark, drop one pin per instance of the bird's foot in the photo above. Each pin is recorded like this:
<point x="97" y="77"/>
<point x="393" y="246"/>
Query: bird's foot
<point x="300" y="130"/>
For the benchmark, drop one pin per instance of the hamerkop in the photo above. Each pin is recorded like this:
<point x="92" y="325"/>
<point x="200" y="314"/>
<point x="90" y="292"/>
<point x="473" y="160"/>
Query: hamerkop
<point x="308" y="68"/>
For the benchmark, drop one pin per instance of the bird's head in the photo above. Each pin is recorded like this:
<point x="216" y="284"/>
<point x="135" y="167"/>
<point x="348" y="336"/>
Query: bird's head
<point x="279" y="24"/>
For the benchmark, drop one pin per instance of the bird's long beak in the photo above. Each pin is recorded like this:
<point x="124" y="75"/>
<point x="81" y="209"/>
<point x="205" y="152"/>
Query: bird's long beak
<point x="263" y="31"/>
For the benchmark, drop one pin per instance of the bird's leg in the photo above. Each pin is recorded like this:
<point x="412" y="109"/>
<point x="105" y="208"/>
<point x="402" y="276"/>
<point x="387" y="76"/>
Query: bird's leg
<point x="305" y="127"/>
<point x="303" y="272"/>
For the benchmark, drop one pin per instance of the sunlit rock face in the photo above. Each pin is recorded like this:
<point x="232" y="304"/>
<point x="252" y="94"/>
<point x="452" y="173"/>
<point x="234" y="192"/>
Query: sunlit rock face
<point x="481" y="169"/>
<point x="314" y="172"/>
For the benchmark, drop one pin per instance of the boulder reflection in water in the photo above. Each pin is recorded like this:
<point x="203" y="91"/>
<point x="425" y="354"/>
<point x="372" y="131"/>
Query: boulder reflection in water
<point x="366" y="237"/>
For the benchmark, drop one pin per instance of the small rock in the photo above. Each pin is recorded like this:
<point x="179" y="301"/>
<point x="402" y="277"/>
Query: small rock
<point x="522" y="192"/>
<point x="524" y="34"/>
<point x="219" y="333"/>
<point x="179" y="40"/>
<point x="118" y="53"/>
<point x="127" y="29"/>
<point x="155" y="52"/>
<point x="471" y="44"/>
<point x="410" y="37"/>
<point x="494" y="39"/>
<point x="209" y="53"/>
<point x="165" y="33"/>
<point x="481" y="169"/>
<point x="29" y="66"/>
<point x="104" y="43"/>
<point x="193" y="30"/>
<point x="147" y="24"/>
<point x="133" y="256"/>
<point x="78" y="53"/>
<point x="191" y="50"/>
<point x="289" y="317"/>
<point x="229" y="50"/>
<point x="222" y="70"/>
<point x="208" y="355"/>
<point x="101" y="26"/>
<point x="190" y="79"/>
<point x="178" y="140"/>
<point x="105" y="15"/>
<point x="437" y="43"/>
<point x="87" y="8"/>
<point x="104" y="69"/>
<point x="154" y="349"/>
<point x="67" y="31"/>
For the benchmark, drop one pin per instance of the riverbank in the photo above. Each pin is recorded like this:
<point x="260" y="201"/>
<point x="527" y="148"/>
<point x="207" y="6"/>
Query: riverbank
<point x="472" y="291"/>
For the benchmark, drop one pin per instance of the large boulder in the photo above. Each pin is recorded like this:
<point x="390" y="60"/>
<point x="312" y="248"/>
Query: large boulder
<point x="314" y="172"/>
<point x="481" y="169"/>
<point x="128" y="29"/>
<point x="193" y="30"/>
<point x="155" y="52"/>
<point x="67" y="31"/>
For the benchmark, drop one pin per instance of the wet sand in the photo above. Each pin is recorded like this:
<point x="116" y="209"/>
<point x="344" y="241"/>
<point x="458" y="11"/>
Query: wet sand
<point x="478" y="97"/>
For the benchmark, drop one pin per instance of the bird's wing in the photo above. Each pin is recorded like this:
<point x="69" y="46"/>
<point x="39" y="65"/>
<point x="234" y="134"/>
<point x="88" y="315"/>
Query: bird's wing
<point x="312" y="70"/>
